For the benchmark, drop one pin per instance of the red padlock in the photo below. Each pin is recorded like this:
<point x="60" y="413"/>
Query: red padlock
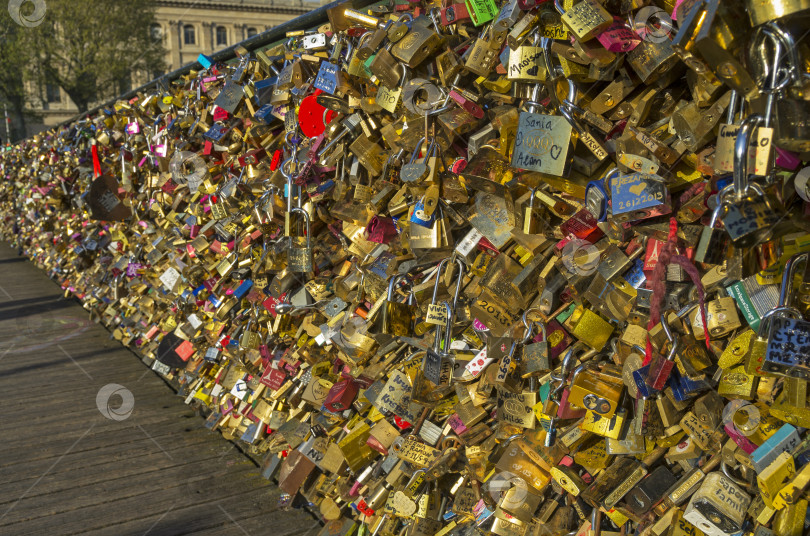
<point x="312" y="117"/>
<point x="341" y="395"/>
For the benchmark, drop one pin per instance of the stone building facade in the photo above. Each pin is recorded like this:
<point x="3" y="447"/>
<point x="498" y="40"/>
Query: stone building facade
<point x="187" y="28"/>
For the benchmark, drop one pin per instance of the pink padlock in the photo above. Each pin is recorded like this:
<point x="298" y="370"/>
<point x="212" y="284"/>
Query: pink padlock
<point x="787" y="159"/>
<point x="619" y="37"/>
<point x="565" y="411"/>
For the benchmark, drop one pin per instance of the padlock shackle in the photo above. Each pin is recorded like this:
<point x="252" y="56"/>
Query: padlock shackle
<point x="306" y="218"/>
<point x="581" y="367"/>
<point x="417" y="150"/>
<point x="529" y="327"/>
<point x="612" y="173"/>
<point x="791" y="266"/>
<point x="722" y="205"/>
<point x="545" y="44"/>
<point x="783" y="46"/>
<point x="394" y="280"/>
<point x="566" y="113"/>
<point x="740" y="174"/>
<point x="733" y="101"/>
<point x="461" y="269"/>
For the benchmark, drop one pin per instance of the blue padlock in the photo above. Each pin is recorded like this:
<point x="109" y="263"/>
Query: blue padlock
<point x="418" y="216"/>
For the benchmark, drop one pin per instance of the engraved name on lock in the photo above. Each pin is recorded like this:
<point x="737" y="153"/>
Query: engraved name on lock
<point x="541" y="143"/>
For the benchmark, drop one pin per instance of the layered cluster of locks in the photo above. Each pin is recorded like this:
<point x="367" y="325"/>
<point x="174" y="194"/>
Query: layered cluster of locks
<point x="528" y="268"/>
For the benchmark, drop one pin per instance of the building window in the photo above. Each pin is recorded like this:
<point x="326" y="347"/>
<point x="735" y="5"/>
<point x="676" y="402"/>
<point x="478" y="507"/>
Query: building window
<point x="52" y="93"/>
<point x="222" y="35"/>
<point x="156" y="32"/>
<point x="251" y="32"/>
<point x="189" y="35"/>
<point x="125" y="84"/>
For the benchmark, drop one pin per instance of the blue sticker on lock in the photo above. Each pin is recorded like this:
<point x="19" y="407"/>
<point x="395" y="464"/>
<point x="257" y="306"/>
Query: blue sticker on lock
<point x="205" y="61"/>
<point x="214" y="300"/>
<point x="636" y="192"/>
<point x="264" y="114"/>
<point x="635" y="274"/>
<point x="243" y="289"/>
<point x="682" y="387"/>
<point x="639" y="376"/>
<point x="419" y="217"/>
<point x="327" y="80"/>
<point x="596" y="199"/>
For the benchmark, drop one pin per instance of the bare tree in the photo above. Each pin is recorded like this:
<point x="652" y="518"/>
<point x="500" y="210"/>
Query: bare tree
<point x="91" y="49"/>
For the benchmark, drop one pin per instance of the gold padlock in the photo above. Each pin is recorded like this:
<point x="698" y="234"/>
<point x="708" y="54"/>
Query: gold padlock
<point x="590" y="328"/>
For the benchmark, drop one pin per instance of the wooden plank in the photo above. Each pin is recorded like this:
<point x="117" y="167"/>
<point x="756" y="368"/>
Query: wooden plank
<point x="103" y="460"/>
<point x="215" y="520"/>
<point x="147" y="505"/>
<point x="66" y="469"/>
<point x="92" y="494"/>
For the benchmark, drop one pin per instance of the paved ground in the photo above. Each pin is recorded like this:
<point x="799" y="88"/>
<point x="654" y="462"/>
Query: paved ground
<point x="66" y="468"/>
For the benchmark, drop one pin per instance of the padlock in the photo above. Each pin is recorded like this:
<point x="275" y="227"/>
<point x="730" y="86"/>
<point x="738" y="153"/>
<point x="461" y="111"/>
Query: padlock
<point x="660" y="366"/>
<point x="788" y="333"/>
<point x="790" y="109"/>
<point x="535" y="359"/>
<point x="438" y="363"/>
<point x="595" y="391"/>
<point x="300" y="251"/>
<point x="590" y="328"/>
<point x="397" y="317"/>
<point x="415" y="171"/>
<point x="250" y="338"/>
<point x="712" y="245"/>
<point x="586" y="19"/>
<point x="718" y="507"/>
<point x="418" y="44"/>
<point x="386" y="67"/>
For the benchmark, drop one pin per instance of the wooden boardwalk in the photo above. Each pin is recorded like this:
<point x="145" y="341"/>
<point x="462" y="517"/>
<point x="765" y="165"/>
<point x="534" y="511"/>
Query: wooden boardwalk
<point x="66" y="468"/>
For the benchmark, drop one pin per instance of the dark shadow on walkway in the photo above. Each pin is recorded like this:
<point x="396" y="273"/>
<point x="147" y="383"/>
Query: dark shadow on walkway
<point x="34" y="310"/>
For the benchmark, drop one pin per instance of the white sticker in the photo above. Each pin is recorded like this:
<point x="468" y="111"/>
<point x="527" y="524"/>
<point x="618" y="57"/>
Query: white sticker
<point x="479" y="363"/>
<point x="240" y="389"/>
<point x="469" y="242"/>
<point x="169" y="278"/>
<point x="194" y="321"/>
<point x="160" y="368"/>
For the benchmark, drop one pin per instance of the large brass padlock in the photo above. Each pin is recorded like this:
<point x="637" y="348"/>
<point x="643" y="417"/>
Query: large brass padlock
<point x="300" y="252"/>
<point x="590" y="328"/>
<point x="586" y="19"/>
<point x="397" y="317"/>
<point x="596" y="391"/>
<point x="250" y="338"/>
<point x="417" y="45"/>
<point x="535" y="359"/>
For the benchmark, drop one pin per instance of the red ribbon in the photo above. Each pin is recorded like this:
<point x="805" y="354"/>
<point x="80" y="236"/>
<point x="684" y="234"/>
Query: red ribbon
<point x="96" y="162"/>
<point x="658" y="278"/>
